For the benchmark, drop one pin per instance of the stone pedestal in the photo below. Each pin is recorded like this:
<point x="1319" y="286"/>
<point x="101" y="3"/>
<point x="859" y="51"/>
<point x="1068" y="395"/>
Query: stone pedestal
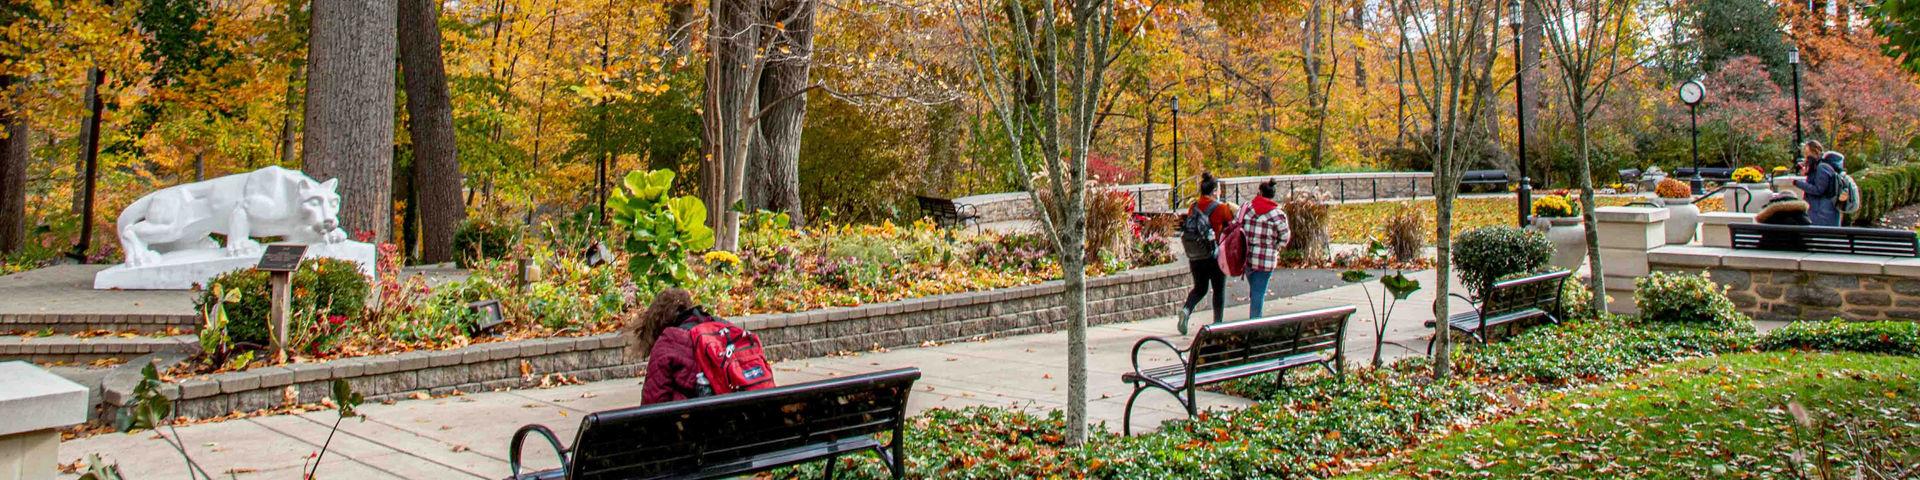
<point x="182" y="270"/>
<point x="1714" y="231"/>
<point x="1626" y="235"/>
<point x="33" y="405"/>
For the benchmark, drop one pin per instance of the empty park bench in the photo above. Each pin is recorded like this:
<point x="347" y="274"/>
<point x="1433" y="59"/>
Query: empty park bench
<point x="736" y="434"/>
<point x="1510" y="303"/>
<point x="945" y="212"/>
<point x="1802" y="238"/>
<point x="1629" y="176"/>
<point x="1226" y="351"/>
<point x="1711" y="174"/>
<point x="1494" y="178"/>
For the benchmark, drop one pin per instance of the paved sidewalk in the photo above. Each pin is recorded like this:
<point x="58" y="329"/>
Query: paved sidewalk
<point x="466" y="436"/>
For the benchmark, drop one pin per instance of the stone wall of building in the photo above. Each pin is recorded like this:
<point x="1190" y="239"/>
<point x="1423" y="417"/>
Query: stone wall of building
<point x="1133" y="295"/>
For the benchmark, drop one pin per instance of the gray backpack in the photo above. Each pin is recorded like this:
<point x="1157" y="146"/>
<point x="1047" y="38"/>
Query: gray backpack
<point x="1848" y="198"/>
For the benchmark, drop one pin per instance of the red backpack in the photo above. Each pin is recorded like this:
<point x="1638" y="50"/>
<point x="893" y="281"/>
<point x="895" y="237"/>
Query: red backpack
<point x="730" y="357"/>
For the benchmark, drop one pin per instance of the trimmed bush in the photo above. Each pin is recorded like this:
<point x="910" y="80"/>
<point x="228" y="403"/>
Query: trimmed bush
<point x="1898" y="337"/>
<point x="1484" y="255"/>
<point x="321" y="287"/>
<point x="1883" y="189"/>
<point x="1680" y="298"/>
<point x="483" y="239"/>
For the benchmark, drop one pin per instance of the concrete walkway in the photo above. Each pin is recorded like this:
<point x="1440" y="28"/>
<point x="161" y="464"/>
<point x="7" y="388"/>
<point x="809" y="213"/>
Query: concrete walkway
<point x="466" y="436"/>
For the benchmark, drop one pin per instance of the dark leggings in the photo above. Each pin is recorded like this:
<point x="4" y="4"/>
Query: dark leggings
<point x="1207" y="272"/>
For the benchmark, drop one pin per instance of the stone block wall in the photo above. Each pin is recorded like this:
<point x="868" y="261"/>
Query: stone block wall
<point x="1011" y="206"/>
<point x="1790" y="295"/>
<point x="1133" y="295"/>
<point x="1338" y="186"/>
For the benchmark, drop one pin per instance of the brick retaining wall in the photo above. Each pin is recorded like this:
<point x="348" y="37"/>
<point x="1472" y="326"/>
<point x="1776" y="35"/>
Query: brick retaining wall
<point x="1128" y="296"/>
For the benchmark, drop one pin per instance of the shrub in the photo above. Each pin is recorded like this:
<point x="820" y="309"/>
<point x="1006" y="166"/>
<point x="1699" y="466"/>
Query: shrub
<point x="1883" y="189"/>
<point x="1898" y="337"/>
<point x="483" y="238"/>
<point x="1670" y="188"/>
<point x="1406" y="232"/>
<point x="661" y="230"/>
<point x="1307" y="214"/>
<point x="1553" y="206"/>
<point x="1484" y="255"/>
<point x="1680" y="298"/>
<point x="321" y="287"/>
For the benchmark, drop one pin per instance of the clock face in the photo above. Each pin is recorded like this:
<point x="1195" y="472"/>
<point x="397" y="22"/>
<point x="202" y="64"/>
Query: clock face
<point x="1691" y="92"/>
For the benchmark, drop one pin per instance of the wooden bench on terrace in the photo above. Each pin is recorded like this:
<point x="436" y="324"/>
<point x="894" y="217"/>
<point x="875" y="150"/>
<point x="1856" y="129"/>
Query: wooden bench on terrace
<point x="737" y="434"/>
<point x="946" y="213"/>
<point x="1883" y="242"/>
<point x="1226" y="351"/>
<point x="1510" y="303"/>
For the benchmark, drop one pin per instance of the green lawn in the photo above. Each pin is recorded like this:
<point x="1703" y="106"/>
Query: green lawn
<point x="1715" y="417"/>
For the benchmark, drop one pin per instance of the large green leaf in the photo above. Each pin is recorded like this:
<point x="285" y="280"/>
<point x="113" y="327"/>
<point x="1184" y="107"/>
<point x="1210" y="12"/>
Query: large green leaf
<point x="649" y="185"/>
<point x="1355" y="276"/>
<point x="1400" y="286"/>
<point x="692" y="217"/>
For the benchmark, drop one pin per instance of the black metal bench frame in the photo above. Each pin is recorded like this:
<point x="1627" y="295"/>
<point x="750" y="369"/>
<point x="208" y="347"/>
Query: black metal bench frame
<point x="1711" y="174"/>
<point x="1510" y="302"/>
<point x="1629" y="175"/>
<point x="1497" y="178"/>
<point x="736" y="434"/>
<point x="1239" y="349"/>
<point x="945" y="212"/>
<point x="1883" y="242"/>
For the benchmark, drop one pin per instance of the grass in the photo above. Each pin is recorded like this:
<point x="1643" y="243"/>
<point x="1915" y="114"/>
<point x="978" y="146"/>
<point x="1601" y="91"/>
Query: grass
<point x="1355" y="222"/>
<point x="1716" y="417"/>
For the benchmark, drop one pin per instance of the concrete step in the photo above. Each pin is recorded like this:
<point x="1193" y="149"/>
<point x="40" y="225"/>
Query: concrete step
<point x="67" y="349"/>
<point x="141" y="323"/>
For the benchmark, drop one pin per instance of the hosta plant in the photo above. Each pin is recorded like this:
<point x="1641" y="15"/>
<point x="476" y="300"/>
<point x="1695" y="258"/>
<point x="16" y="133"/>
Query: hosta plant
<point x="661" y="230"/>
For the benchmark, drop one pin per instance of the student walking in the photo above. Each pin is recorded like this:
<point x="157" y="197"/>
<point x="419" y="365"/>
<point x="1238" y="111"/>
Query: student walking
<point x="1200" y="232"/>
<point x="1264" y="224"/>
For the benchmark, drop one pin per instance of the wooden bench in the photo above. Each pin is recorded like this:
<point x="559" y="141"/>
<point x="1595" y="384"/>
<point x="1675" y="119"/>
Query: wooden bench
<point x="1883" y="242"/>
<point x="1509" y="303"/>
<point x="1226" y="351"/>
<point x="946" y="213"/>
<point x="1493" y="178"/>
<point x="736" y="434"/>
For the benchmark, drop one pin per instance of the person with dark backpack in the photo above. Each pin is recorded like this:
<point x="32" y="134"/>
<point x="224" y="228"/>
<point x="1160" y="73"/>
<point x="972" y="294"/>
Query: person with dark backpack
<point x="686" y="348"/>
<point x="1829" y="190"/>
<point x="1200" y="232"/>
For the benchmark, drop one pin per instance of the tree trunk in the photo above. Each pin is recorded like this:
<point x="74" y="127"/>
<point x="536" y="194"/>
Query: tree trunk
<point x="774" y="176"/>
<point x="349" y="116"/>
<point x="679" y="29"/>
<point x="79" y="200"/>
<point x="1444" y="193"/>
<point x="1360" y="57"/>
<point x="13" y="174"/>
<point x="1073" y="261"/>
<point x="732" y="76"/>
<point x="286" y="119"/>
<point x="1530" y="45"/>
<point x="436" y="177"/>
<point x="1595" y="271"/>
<point x="1310" y="62"/>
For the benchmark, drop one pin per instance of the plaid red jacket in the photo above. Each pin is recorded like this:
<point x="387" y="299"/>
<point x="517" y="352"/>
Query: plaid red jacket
<point x="1266" y="234"/>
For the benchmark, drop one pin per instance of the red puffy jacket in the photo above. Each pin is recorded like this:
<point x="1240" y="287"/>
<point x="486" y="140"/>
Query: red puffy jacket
<point x="671" y="368"/>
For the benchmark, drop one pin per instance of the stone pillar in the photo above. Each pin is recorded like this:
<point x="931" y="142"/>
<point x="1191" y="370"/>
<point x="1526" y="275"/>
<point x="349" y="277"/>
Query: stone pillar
<point x="1626" y="235"/>
<point x="35" y="404"/>
<point x="1714" y="231"/>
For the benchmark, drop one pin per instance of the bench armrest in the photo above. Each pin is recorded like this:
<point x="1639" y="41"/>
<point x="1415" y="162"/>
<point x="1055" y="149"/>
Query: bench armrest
<point x="966" y="210"/>
<point x="1472" y="304"/>
<point x="513" y="449"/>
<point x="1179" y="354"/>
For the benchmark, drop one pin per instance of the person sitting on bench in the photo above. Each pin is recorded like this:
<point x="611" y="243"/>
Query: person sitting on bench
<point x="672" y="370"/>
<point x="1784" y="208"/>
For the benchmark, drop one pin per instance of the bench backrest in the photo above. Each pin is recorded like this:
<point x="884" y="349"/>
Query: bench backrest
<point x="943" y="211"/>
<point x="1536" y="291"/>
<point x="1484" y="175"/>
<point x="677" y="438"/>
<point x="1884" y="242"/>
<point x="1231" y="344"/>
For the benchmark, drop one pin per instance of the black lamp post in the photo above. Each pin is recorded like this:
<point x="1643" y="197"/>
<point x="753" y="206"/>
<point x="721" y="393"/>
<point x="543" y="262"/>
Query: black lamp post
<point x="1175" y="197"/>
<point x="1692" y="93"/>
<point x="1793" y="62"/>
<point x="1518" y="21"/>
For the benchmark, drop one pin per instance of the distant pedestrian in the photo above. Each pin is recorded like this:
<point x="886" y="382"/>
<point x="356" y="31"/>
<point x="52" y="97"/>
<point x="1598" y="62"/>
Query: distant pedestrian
<point x="1783" y="208"/>
<point x="1265" y="227"/>
<point x="1200" y="230"/>
<point x="1823" y="184"/>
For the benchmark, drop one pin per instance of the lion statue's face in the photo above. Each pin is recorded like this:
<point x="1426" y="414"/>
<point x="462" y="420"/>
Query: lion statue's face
<point x="320" y="206"/>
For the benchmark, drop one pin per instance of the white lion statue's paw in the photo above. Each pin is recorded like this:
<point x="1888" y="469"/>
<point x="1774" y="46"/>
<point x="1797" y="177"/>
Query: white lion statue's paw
<point x="336" y="236"/>
<point x="242" y="247"/>
<point x="142" y="257"/>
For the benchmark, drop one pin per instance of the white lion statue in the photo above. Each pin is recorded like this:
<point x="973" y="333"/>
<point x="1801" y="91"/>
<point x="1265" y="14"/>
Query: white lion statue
<point x="168" y="234"/>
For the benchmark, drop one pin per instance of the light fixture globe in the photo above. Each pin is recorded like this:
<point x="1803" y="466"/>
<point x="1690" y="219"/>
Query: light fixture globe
<point x="1692" y="92"/>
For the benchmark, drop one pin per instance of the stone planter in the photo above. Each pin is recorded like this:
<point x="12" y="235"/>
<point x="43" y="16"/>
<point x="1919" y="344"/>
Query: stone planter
<point x="1683" y="219"/>
<point x="1569" y="240"/>
<point x="1751" y="202"/>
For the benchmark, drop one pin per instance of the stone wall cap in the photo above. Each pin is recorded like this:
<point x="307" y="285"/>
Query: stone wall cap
<point x="1725" y="218"/>
<point x="36" y="399"/>
<point x="1687" y="255"/>
<point x="1763" y="259"/>
<point x="1843" y="263"/>
<point x="1903" y="267"/>
<point x="1630" y="214"/>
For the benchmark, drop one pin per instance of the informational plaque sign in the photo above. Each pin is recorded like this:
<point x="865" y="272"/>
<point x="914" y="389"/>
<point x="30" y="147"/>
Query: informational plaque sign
<point x="282" y="257"/>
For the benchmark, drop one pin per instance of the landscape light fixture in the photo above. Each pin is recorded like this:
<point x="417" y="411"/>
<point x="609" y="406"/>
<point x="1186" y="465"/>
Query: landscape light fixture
<point x="1692" y="93"/>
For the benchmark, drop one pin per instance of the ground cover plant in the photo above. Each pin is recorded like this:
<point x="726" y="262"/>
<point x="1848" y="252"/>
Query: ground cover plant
<point x="1758" y="415"/>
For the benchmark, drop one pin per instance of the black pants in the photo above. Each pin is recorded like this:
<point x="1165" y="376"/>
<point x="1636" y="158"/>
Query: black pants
<point x="1207" y="272"/>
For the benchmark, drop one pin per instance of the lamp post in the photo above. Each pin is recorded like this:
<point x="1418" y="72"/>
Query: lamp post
<point x="1692" y="93"/>
<point x="1518" y="21"/>
<point x="1793" y="62"/>
<point x="1175" y="103"/>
